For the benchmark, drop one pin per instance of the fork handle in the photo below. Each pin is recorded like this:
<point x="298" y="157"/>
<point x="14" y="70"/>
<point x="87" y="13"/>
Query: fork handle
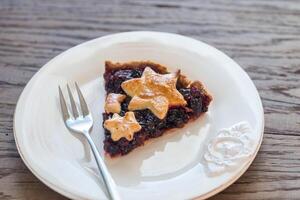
<point x="107" y="179"/>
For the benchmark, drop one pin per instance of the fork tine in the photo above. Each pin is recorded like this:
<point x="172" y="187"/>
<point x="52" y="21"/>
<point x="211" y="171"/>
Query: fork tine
<point x="84" y="107"/>
<point x="73" y="105"/>
<point x="63" y="105"/>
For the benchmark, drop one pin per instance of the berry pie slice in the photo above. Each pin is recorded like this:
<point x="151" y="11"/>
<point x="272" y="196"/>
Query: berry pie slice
<point x="144" y="100"/>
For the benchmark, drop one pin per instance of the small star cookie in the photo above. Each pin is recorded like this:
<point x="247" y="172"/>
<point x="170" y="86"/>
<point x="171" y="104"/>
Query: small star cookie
<point x="122" y="126"/>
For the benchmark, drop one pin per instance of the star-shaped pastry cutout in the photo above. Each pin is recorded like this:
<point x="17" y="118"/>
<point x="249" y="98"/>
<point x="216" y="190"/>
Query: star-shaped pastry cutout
<point x="154" y="91"/>
<point x="122" y="126"/>
<point x="113" y="102"/>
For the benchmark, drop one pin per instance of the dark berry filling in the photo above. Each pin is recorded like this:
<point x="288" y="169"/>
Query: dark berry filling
<point x="152" y="127"/>
<point x="114" y="79"/>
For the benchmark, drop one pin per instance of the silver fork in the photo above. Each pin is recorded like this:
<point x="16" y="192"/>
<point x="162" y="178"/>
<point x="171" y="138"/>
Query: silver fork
<point x="81" y="123"/>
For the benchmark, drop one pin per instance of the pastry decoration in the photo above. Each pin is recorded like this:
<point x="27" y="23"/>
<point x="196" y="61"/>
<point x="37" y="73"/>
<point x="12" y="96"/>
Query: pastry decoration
<point x="154" y="91"/>
<point x="122" y="126"/>
<point x="113" y="103"/>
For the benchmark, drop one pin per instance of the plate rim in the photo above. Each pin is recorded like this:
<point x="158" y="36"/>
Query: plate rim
<point x="71" y="195"/>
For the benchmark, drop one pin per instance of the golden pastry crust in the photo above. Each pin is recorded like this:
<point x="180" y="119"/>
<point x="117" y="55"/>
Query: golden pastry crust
<point x="109" y="66"/>
<point x="122" y="126"/>
<point x="200" y="86"/>
<point x="158" y="105"/>
<point x="156" y="92"/>
<point x="113" y="102"/>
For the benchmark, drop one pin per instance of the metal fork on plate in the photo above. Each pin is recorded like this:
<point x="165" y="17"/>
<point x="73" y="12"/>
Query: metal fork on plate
<point x="81" y="123"/>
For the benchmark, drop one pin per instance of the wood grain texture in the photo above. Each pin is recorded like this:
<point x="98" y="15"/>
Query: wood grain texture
<point x="263" y="36"/>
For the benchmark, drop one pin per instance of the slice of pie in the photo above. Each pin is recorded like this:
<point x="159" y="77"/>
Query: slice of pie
<point x="144" y="100"/>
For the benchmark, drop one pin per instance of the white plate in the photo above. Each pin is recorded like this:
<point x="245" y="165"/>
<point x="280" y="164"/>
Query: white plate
<point x="170" y="167"/>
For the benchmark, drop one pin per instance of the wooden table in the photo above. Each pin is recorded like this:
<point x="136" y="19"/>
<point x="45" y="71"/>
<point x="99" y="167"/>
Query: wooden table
<point x="263" y="36"/>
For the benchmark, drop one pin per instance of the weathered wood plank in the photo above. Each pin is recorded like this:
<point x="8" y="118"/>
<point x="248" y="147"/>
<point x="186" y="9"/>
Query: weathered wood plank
<point x="263" y="36"/>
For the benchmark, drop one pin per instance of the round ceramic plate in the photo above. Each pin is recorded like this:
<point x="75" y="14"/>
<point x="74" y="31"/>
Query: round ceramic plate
<point x="198" y="160"/>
